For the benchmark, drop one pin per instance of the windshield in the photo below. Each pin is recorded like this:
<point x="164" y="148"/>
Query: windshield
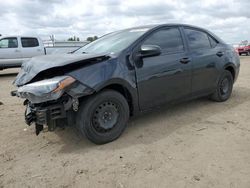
<point x="113" y="42"/>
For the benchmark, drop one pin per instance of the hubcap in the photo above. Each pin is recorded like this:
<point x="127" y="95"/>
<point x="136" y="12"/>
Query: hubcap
<point x="224" y="86"/>
<point x="105" y="117"/>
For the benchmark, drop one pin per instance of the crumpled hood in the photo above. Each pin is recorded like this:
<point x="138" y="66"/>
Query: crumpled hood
<point x="38" y="64"/>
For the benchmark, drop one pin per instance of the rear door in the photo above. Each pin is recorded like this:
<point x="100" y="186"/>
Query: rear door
<point x="166" y="77"/>
<point x="31" y="47"/>
<point x="206" y="54"/>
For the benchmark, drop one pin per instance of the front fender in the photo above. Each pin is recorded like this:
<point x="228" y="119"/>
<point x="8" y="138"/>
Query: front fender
<point x="107" y="73"/>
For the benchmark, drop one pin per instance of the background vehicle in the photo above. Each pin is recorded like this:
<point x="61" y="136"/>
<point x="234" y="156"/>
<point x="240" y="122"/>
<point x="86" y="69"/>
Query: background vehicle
<point x="125" y="73"/>
<point x="244" y="49"/>
<point x="16" y="49"/>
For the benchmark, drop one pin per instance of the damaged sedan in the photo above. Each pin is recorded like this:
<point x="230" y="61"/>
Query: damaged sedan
<point x="99" y="86"/>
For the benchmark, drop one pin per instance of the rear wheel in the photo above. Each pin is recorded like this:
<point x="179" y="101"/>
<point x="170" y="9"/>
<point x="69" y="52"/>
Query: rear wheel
<point x="224" y="87"/>
<point x="103" y="117"/>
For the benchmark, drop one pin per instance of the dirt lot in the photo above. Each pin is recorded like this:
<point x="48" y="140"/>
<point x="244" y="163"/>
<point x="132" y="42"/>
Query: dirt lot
<point x="195" y="144"/>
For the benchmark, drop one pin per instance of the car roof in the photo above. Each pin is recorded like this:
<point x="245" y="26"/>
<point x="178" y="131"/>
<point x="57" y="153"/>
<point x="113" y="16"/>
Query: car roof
<point x="155" y="26"/>
<point x="165" y="25"/>
<point x="18" y="36"/>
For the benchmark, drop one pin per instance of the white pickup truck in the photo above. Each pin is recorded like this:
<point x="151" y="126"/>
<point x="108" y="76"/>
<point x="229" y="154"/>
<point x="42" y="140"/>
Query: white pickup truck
<point x="15" y="49"/>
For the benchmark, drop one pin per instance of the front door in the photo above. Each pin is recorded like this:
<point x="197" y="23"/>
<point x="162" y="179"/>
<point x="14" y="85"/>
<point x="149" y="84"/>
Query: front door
<point x="166" y="77"/>
<point x="9" y="51"/>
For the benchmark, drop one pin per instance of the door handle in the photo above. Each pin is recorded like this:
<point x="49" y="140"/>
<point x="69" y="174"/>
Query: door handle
<point x="220" y="54"/>
<point x="17" y="50"/>
<point x="185" y="60"/>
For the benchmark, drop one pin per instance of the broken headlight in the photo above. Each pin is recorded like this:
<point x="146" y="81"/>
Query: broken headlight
<point x="45" y="90"/>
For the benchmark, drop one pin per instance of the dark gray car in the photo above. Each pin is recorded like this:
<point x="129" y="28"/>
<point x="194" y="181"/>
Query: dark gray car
<point x="124" y="73"/>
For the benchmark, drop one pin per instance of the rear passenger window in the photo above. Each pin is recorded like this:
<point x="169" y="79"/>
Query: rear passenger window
<point x="197" y="39"/>
<point x="168" y="39"/>
<point x="29" y="42"/>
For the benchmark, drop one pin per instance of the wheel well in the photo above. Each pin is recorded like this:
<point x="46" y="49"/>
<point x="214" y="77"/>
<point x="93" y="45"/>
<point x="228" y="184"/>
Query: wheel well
<point x="231" y="69"/>
<point x="124" y="91"/>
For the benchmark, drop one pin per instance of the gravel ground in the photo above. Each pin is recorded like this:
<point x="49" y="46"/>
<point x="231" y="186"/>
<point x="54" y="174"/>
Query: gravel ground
<point x="194" y="144"/>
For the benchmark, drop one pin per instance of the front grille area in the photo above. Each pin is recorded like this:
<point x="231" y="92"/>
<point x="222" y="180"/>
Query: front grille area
<point x="57" y="112"/>
<point x="44" y="115"/>
<point x="41" y="116"/>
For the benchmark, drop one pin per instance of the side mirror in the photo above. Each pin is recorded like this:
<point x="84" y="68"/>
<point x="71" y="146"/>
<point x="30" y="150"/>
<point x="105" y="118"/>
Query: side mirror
<point x="150" y="50"/>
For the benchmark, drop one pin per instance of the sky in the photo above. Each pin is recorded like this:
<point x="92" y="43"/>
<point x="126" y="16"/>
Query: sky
<point x="228" y="19"/>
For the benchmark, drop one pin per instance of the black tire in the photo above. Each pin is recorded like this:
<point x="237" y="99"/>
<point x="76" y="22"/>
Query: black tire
<point x="103" y="117"/>
<point x="239" y="54"/>
<point x="224" y="87"/>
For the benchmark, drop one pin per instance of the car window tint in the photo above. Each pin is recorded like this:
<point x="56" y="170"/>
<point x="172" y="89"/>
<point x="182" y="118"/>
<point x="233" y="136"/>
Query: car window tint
<point x="168" y="39"/>
<point x="9" y="43"/>
<point x="213" y="42"/>
<point x="197" y="39"/>
<point x="29" y="42"/>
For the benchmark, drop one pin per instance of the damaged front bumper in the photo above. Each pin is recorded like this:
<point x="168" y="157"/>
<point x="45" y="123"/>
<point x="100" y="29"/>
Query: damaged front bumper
<point x="56" y="111"/>
<point x="44" y="115"/>
<point x="59" y="113"/>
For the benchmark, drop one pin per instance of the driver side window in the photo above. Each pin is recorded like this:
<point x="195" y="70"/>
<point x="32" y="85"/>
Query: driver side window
<point x="168" y="39"/>
<point x="9" y="42"/>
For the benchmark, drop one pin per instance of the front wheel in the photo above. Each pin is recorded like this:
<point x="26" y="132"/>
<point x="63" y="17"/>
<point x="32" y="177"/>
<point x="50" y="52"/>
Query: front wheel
<point x="224" y="87"/>
<point x="103" y="117"/>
